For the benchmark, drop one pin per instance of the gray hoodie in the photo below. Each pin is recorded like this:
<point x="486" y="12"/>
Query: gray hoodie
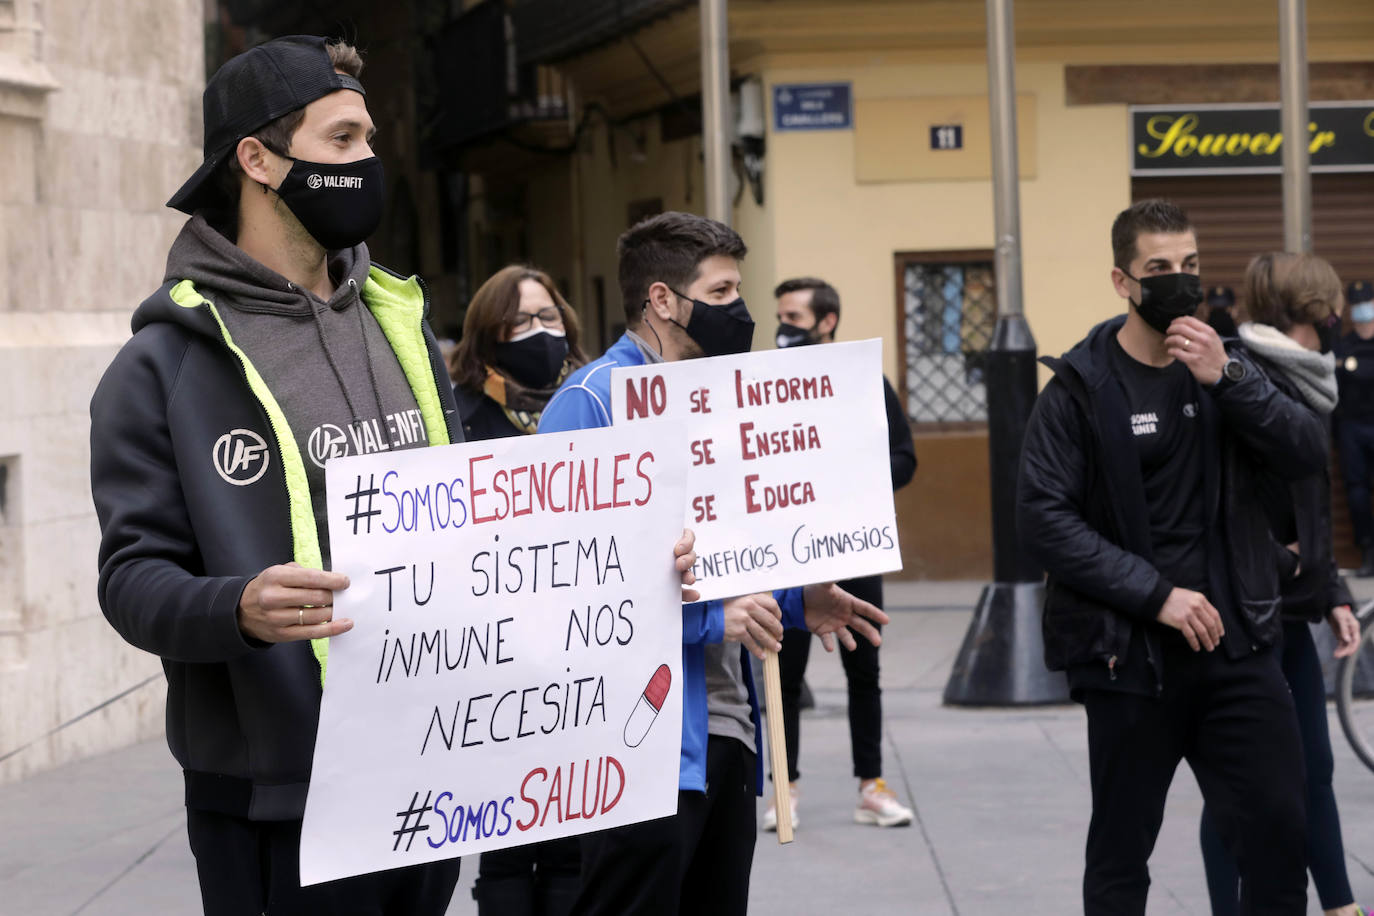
<point x="328" y="364"/>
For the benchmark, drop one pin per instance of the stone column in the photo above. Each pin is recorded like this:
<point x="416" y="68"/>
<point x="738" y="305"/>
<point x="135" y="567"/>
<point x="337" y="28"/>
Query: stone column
<point x="99" y="123"/>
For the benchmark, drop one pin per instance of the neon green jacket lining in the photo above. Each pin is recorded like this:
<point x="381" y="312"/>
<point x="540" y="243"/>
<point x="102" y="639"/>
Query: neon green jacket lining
<point x="398" y="306"/>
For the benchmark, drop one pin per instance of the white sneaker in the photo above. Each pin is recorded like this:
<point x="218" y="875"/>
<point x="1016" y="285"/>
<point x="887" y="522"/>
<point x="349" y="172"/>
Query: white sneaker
<point x="769" y="823"/>
<point x="879" y="806"/>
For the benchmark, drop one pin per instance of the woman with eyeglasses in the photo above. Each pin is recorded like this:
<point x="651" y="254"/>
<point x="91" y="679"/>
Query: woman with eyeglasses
<point x="520" y="340"/>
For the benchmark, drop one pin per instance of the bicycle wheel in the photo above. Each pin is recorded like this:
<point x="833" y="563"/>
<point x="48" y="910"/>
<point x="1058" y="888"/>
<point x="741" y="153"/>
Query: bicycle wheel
<point x="1355" y="691"/>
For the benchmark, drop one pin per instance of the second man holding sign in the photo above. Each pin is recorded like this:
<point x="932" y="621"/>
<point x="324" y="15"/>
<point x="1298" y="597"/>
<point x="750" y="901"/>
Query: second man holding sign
<point x="809" y="313"/>
<point x="680" y="277"/>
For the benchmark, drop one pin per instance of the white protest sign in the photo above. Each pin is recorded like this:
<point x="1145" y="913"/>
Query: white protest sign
<point x="790" y="481"/>
<point x="513" y="673"/>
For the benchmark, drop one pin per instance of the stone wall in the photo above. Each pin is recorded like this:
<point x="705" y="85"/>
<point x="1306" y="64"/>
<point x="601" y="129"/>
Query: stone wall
<point x="99" y="124"/>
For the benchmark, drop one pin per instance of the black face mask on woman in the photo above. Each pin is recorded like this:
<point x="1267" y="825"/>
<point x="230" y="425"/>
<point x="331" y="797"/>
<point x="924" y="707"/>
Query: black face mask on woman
<point x="535" y="358"/>
<point x="339" y="204"/>
<point x="1164" y="297"/>
<point x="719" y="330"/>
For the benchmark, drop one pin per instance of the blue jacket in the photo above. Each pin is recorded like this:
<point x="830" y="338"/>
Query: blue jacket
<point x="584" y="402"/>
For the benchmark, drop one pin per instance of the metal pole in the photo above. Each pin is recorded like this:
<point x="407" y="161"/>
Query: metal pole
<point x="1006" y="197"/>
<point x="715" y="106"/>
<point x="582" y="302"/>
<point x="1010" y="374"/>
<point x="1297" y="178"/>
<point x="1001" y="661"/>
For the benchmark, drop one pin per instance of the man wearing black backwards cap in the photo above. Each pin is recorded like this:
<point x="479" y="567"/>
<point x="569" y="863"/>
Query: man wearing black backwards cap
<point x="1355" y="416"/>
<point x="271" y="347"/>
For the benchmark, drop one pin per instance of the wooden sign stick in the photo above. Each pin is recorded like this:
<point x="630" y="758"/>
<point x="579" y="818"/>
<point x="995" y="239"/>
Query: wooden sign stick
<point x="777" y="746"/>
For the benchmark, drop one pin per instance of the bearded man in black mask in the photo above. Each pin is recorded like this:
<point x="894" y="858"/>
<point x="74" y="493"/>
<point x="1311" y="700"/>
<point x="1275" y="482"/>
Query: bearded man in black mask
<point x="1136" y="494"/>
<point x="809" y="313"/>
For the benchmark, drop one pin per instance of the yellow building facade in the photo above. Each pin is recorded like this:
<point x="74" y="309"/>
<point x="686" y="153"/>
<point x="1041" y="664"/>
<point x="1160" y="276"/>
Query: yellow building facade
<point x="853" y="204"/>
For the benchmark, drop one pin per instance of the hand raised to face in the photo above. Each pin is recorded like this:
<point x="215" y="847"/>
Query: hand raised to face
<point x="1197" y="345"/>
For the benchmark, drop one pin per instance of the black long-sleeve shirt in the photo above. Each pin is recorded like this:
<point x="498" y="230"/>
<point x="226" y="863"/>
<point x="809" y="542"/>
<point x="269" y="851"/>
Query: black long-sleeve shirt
<point x="900" y="449"/>
<point x="1355" y="378"/>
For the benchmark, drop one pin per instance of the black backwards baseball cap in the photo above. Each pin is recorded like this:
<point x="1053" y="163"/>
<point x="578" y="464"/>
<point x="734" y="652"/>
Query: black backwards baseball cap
<point x="251" y="90"/>
<point x="1359" y="291"/>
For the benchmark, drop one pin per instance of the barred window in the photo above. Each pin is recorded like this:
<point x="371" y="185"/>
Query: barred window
<point x="947" y="304"/>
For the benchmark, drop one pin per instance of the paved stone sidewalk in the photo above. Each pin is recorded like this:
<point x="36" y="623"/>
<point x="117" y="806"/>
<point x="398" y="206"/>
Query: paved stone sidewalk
<point x="1001" y="799"/>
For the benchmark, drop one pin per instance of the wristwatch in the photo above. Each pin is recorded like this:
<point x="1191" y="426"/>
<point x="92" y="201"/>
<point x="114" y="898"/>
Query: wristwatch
<point x="1232" y="372"/>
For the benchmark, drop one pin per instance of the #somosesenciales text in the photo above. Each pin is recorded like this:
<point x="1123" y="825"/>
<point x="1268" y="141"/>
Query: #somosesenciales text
<point x="496" y="490"/>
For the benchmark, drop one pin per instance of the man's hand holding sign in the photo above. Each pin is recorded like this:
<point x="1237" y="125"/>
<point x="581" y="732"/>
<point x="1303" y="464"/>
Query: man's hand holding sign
<point x="755" y="622"/>
<point x="291" y="602"/>
<point x="685" y="557"/>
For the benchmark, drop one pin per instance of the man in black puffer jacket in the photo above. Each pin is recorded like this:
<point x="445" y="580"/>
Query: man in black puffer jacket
<point x="1138" y="493"/>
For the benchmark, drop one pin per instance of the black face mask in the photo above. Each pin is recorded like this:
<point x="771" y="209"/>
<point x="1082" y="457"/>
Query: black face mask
<point x="719" y="330"/>
<point x="789" y="335"/>
<point x="1164" y="297"/>
<point x="534" y="360"/>
<point x="339" y="205"/>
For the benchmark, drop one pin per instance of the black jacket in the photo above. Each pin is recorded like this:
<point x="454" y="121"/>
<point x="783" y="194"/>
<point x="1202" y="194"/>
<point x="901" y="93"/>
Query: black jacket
<point x="1355" y="377"/>
<point x="901" y="452"/>
<point x="1081" y="510"/>
<point x="198" y="488"/>
<point x="481" y="416"/>
<point x="1300" y="510"/>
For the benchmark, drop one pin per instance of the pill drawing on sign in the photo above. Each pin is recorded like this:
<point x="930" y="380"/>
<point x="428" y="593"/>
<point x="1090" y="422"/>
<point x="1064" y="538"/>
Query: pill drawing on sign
<point x="649" y="705"/>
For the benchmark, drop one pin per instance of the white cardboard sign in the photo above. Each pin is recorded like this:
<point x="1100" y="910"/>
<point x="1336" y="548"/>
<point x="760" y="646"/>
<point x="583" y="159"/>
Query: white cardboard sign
<point x="513" y="673"/>
<point x="789" y="480"/>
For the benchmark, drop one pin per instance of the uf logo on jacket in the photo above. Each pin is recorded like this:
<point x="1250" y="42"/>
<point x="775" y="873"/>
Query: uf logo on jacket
<point x="241" y="456"/>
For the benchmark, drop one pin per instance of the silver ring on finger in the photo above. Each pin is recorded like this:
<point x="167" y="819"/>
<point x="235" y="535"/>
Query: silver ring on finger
<point x="1187" y="343"/>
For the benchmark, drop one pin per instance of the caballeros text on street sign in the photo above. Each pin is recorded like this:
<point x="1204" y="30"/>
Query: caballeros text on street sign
<point x="789" y="480"/>
<point x="813" y="106"/>
<point x="513" y="673"/>
<point x="1247" y="139"/>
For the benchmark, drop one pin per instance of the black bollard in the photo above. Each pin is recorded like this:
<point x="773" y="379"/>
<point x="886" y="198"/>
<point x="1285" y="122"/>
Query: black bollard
<point x="1001" y="661"/>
